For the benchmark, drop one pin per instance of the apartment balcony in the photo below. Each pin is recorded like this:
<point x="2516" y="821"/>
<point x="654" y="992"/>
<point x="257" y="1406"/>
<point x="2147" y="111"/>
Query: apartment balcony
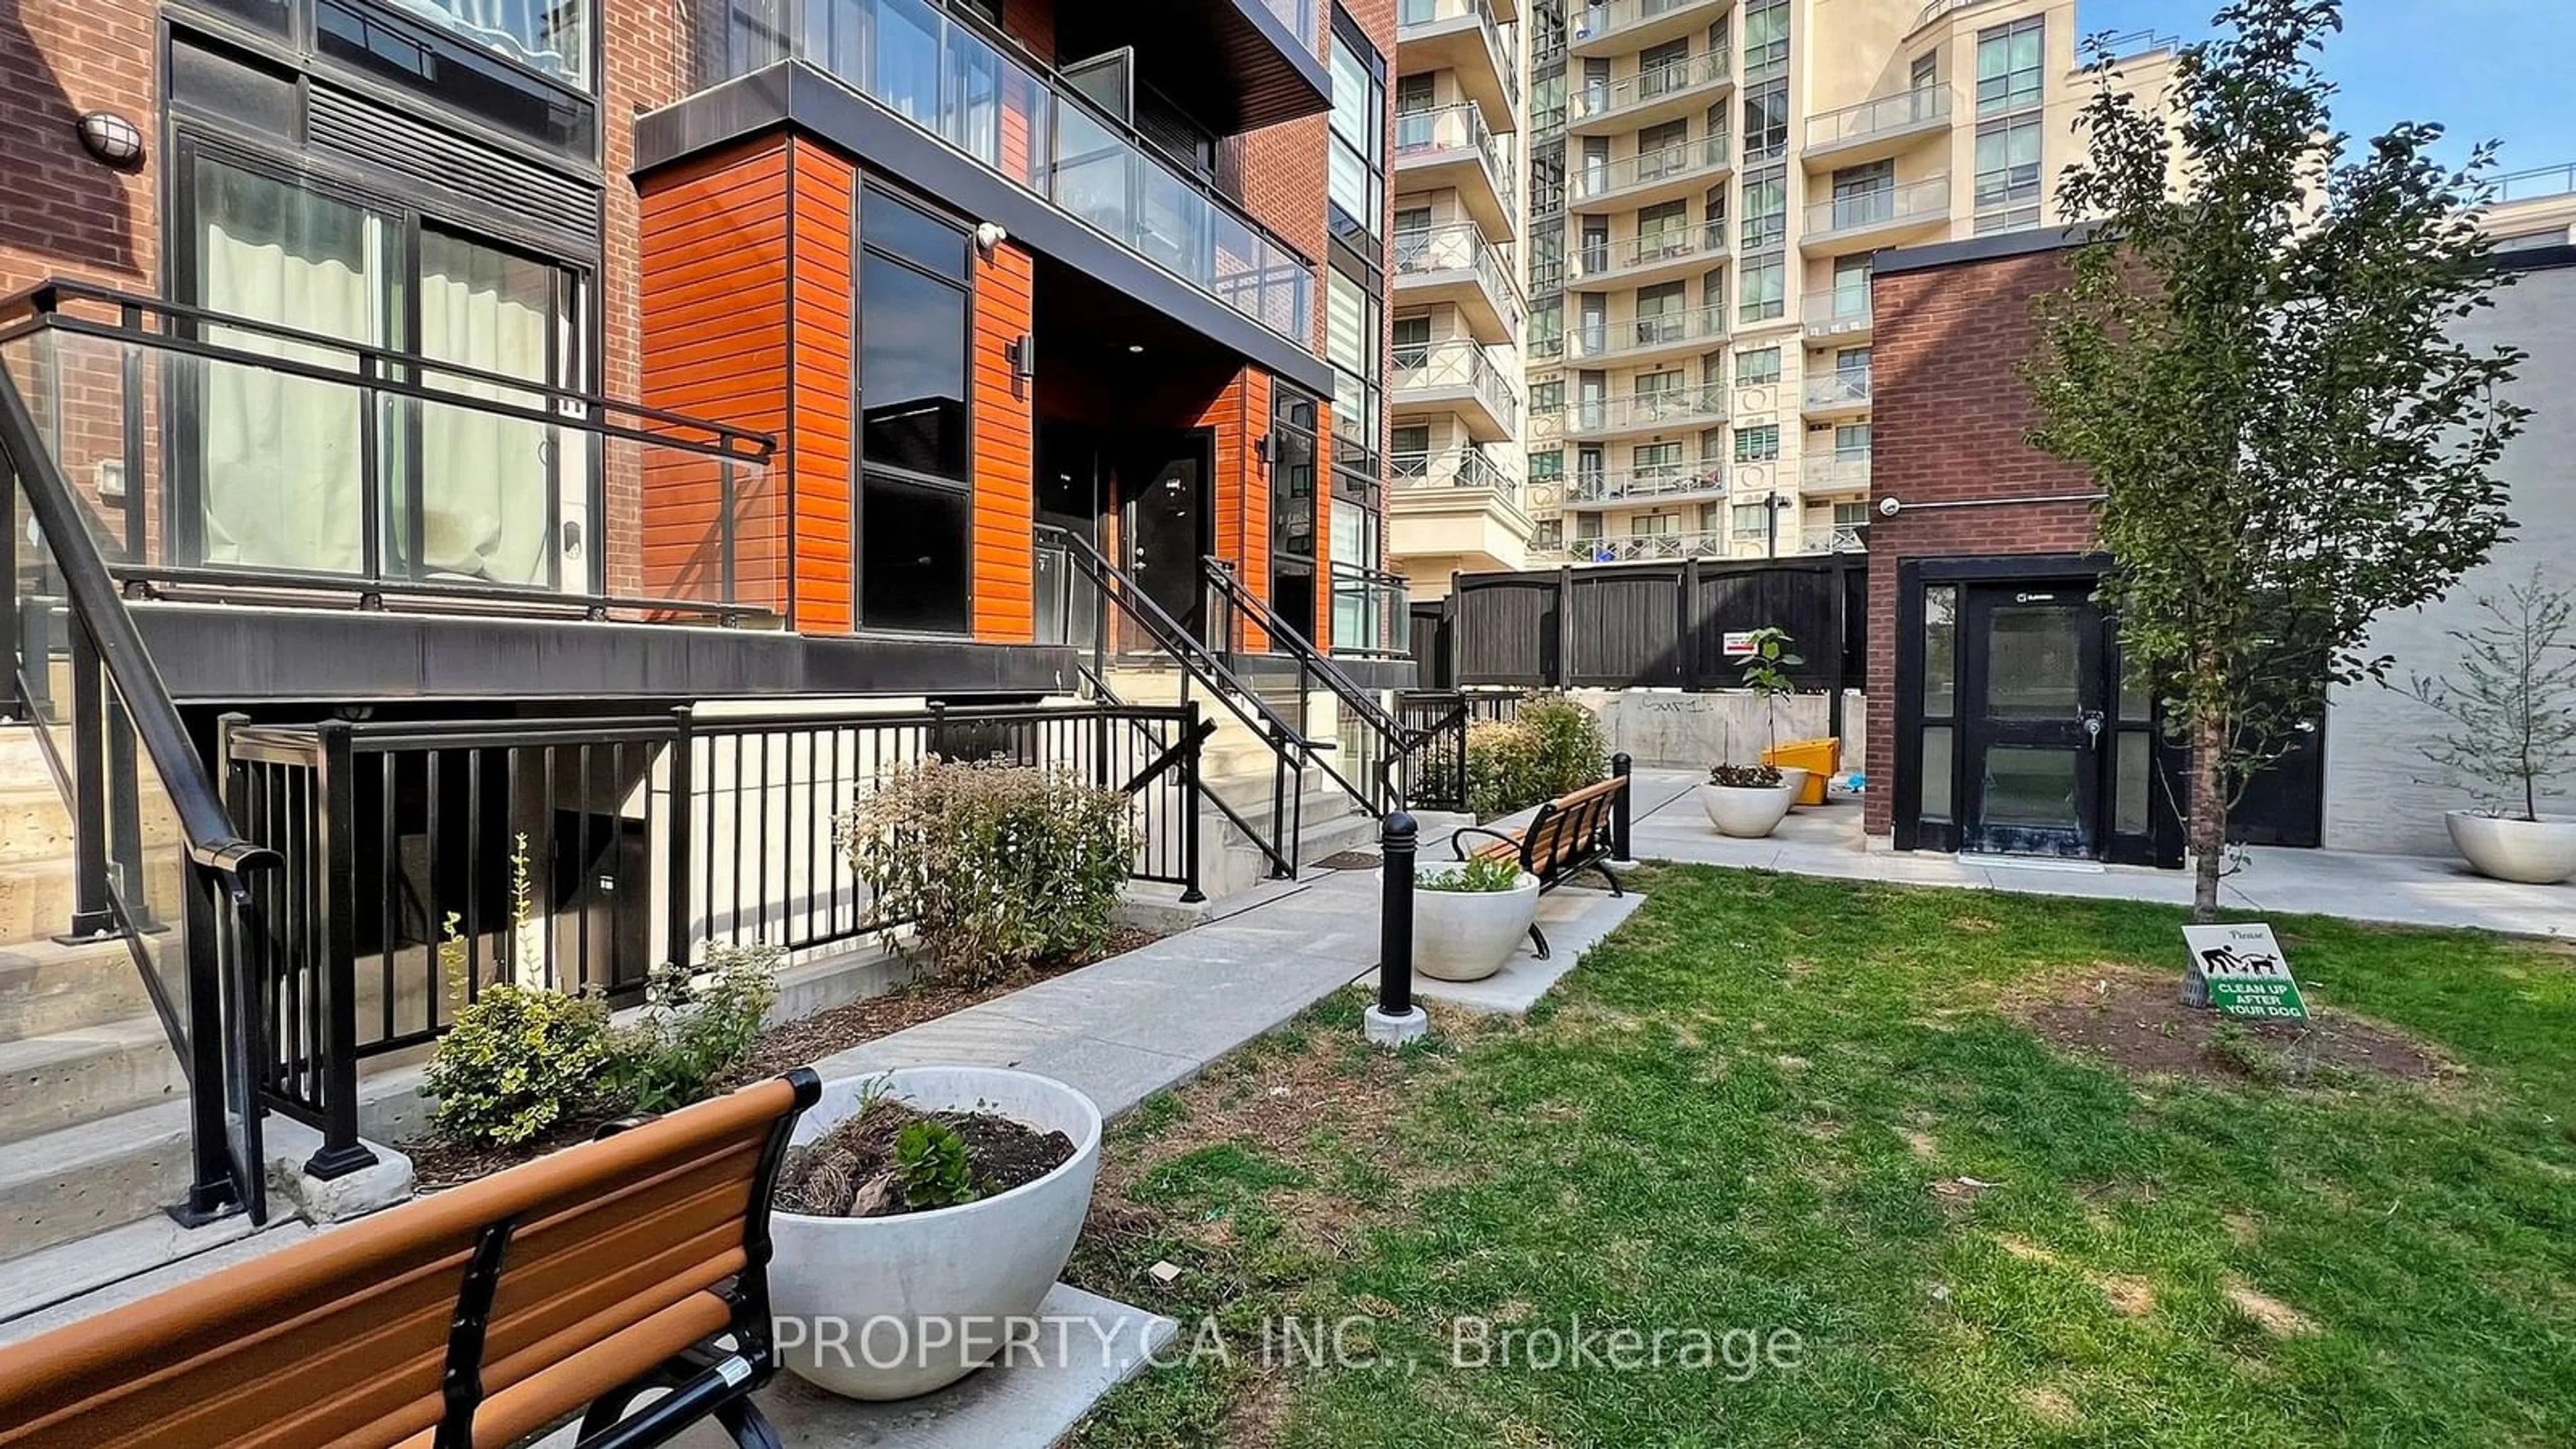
<point x="1467" y="38"/>
<point x="1674" y="173"/>
<point x="1678" y="410"/>
<point x="1645" y="339"/>
<point x="1834" y="538"/>
<point x="1453" y="147"/>
<point x="1664" y="93"/>
<point x="1634" y="548"/>
<point x="1236" y="65"/>
<point x="1841" y="393"/>
<point x="1834" y="473"/>
<point x="1001" y="137"/>
<point x="1842" y="317"/>
<point x="1455" y="265"/>
<point x="1659" y="256"/>
<point x="1455" y="379"/>
<point x="1455" y="504"/>
<point x="1622" y="26"/>
<point x="1545" y="351"/>
<point x="1876" y="130"/>
<point x="1882" y="218"/>
<point x="1704" y="483"/>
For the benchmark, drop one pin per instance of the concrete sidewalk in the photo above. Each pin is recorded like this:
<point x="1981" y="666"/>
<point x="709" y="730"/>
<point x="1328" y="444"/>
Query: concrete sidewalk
<point x="1827" y="841"/>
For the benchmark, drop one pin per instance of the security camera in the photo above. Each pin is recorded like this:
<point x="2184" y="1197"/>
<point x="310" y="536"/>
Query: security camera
<point x="1891" y="506"/>
<point x="990" y="235"/>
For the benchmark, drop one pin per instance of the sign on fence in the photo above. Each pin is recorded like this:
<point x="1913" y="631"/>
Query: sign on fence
<point x="2248" y="975"/>
<point x="1739" y="643"/>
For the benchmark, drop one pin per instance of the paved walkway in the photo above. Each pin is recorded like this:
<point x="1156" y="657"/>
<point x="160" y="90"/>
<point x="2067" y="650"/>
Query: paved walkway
<point x="1826" y="840"/>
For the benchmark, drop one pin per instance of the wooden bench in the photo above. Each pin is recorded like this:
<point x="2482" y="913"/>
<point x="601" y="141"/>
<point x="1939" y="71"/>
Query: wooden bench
<point x="1569" y="834"/>
<point x="465" y="1320"/>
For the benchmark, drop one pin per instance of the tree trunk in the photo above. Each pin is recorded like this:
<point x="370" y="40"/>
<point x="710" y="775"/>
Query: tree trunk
<point x="2208" y="841"/>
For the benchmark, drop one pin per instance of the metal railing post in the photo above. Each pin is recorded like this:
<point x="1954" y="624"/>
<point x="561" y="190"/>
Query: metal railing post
<point x="1621" y="805"/>
<point x="93" y="914"/>
<point x="1395" y="1020"/>
<point x="1190" y="892"/>
<point x="341" y="1153"/>
<point x="684" y="789"/>
<point x="210" y="1173"/>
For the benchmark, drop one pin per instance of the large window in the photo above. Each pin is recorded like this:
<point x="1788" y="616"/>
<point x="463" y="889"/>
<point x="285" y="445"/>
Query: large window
<point x="553" y="37"/>
<point x="1355" y="170"/>
<point x="1851" y="285"/>
<point x="1764" y="284"/>
<point x="281" y="473"/>
<point x="916" y="500"/>
<point x="1292" y="507"/>
<point x="2009" y="72"/>
<point x="1766" y="40"/>
<point x="1766" y="122"/>
<point x="1351" y="327"/>
<point x="1766" y="209"/>
<point x="2008" y="187"/>
<point x="1761" y="365"/>
<point x="1757" y="444"/>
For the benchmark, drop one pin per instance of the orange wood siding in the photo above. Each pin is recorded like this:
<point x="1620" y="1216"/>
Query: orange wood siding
<point x="713" y="289"/>
<point x="1004" y="415"/>
<point x="822" y="295"/>
<point x="1324" y="523"/>
<point x="1240" y="417"/>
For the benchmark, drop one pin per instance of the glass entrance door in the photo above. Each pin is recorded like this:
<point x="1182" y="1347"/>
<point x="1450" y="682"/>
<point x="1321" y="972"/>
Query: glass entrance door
<point x="2032" y="728"/>
<point x="1165" y="488"/>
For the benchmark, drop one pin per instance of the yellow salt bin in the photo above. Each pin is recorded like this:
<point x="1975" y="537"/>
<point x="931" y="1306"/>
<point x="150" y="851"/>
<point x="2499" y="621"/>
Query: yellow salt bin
<point x="1819" y="758"/>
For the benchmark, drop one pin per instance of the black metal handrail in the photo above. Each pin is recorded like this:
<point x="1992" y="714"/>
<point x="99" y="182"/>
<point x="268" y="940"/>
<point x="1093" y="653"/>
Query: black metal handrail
<point x="1243" y="605"/>
<point x="147" y="325"/>
<point x="1291" y="749"/>
<point x="205" y="1029"/>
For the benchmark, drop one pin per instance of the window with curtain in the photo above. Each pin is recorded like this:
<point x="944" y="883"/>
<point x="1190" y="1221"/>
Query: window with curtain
<point x="1758" y="444"/>
<point x="2009" y="67"/>
<point x="1351" y="313"/>
<point x="1355" y="168"/>
<point x="552" y="36"/>
<point x="916" y="501"/>
<point x="496" y="498"/>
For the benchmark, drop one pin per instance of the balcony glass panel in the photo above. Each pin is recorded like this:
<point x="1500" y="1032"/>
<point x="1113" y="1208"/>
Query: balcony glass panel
<point x="1009" y="118"/>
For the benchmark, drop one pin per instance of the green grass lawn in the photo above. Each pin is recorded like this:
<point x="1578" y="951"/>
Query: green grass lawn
<point x="1752" y="1110"/>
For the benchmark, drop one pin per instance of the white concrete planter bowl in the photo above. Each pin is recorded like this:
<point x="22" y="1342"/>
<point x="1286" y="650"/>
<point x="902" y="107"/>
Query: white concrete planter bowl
<point x="2532" y="852"/>
<point x="925" y="1298"/>
<point x="1743" y="813"/>
<point x="1468" y="935"/>
<point x="1793" y="778"/>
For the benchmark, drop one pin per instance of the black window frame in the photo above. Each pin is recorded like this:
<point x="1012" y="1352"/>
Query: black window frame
<point x="874" y="189"/>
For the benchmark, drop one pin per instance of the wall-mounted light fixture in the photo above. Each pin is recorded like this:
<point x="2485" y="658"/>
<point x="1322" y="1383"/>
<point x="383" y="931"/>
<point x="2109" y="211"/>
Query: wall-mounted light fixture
<point x="111" y="138"/>
<point x="1023" y="355"/>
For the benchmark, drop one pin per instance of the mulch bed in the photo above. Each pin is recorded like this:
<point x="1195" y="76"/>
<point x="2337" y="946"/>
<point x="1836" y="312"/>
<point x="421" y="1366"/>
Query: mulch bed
<point x="1352" y="860"/>
<point x="2134" y="1021"/>
<point x="851" y="1171"/>
<point x="439" y="1163"/>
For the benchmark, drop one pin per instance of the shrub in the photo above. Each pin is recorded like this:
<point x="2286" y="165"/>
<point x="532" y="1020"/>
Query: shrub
<point x="697" y="1029"/>
<point x="930" y="1162"/>
<point x="995" y="866"/>
<point x="1478" y="875"/>
<point x="517" y="1061"/>
<point x="1555" y="748"/>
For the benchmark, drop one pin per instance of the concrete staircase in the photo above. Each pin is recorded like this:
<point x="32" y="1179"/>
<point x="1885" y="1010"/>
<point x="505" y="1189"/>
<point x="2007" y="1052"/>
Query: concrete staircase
<point x="93" y="1102"/>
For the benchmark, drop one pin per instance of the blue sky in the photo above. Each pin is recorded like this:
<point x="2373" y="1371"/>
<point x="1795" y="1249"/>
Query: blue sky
<point x="2486" y="69"/>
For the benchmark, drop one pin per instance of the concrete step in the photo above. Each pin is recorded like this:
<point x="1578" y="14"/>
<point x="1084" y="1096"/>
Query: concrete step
<point x="37" y="896"/>
<point x="81" y="1274"/>
<point x="65" y="1078"/>
<point x="22" y="759"/>
<point x="48" y="987"/>
<point x="76" y="1181"/>
<point x="33" y="823"/>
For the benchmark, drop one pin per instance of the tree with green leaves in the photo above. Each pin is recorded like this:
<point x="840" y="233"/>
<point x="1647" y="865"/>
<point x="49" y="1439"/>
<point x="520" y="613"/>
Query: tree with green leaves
<point x="2255" y="357"/>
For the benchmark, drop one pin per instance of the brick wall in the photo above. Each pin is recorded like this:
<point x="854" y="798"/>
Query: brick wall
<point x="1947" y="424"/>
<point x="62" y="213"/>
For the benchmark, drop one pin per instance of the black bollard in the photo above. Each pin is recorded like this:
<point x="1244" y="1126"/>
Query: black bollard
<point x="1620" y="766"/>
<point x="1395" y="926"/>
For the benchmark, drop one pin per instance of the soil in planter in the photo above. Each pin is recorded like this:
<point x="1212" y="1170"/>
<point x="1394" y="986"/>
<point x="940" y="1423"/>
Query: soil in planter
<point x="850" y="1171"/>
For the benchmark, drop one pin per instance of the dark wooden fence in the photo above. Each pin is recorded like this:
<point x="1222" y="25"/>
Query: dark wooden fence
<point x="1644" y="626"/>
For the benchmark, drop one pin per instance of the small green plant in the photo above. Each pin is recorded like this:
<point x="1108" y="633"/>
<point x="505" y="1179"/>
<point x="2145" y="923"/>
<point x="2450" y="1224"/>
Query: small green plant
<point x="1746" y="777"/>
<point x="1766" y="673"/>
<point x="519" y="1060"/>
<point x="930" y="1164"/>
<point x="698" y="1028"/>
<point x="994" y="866"/>
<point x="1480" y="875"/>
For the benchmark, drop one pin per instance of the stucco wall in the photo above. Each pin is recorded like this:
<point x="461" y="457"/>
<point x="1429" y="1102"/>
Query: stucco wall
<point x="2379" y="792"/>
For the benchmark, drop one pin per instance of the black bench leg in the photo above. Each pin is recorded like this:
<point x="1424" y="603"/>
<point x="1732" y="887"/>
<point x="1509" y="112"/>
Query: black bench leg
<point x="1538" y="940"/>
<point x="1616" y="889"/>
<point x="748" y="1426"/>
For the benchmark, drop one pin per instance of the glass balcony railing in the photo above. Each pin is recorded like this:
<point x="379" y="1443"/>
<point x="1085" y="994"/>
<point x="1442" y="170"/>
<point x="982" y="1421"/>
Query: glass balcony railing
<point x="2537" y="184"/>
<point x="1842" y="387"/>
<point x="1648" y="411"/>
<point x="1598" y="179"/>
<point x="1836" y="472"/>
<point x="1884" y="116"/>
<point x="1587" y="341"/>
<point x="1449" y="365"/>
<point x="1645" y="485"/>
<point x="1372" y="613"/>
<point x="1451" y="468"/>
<point x="1011" y="118"/>
<point x="1651" y="249"/>
<point x="1836" y="313"/>
<point x="1597" y="22"/>
<point x="1455" y="129"/>
<point x="1636" y="548"/>
<point x="1460" y="247"/>
<point x="1924" y="200"/>
<point x="1592" y="102"/>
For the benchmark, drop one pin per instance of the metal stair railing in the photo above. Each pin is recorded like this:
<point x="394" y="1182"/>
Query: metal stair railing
<point x="1291" y="751"/>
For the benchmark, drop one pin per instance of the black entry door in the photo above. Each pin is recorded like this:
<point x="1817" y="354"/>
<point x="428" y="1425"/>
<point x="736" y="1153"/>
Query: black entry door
<point x="1166" y="532"/>
<point x="2033" y="700"/>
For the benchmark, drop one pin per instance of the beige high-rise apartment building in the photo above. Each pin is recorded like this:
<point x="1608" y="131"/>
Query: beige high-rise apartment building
<point x="1457" y="422"/>
<point x="1708" y="182"/>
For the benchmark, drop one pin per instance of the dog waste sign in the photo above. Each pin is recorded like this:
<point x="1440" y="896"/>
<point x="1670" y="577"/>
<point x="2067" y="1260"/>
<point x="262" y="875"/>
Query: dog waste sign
<point x="2248" y="975"/>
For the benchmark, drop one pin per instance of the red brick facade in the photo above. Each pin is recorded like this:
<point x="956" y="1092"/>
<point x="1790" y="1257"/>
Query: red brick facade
<point x="1947" y="425"/>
